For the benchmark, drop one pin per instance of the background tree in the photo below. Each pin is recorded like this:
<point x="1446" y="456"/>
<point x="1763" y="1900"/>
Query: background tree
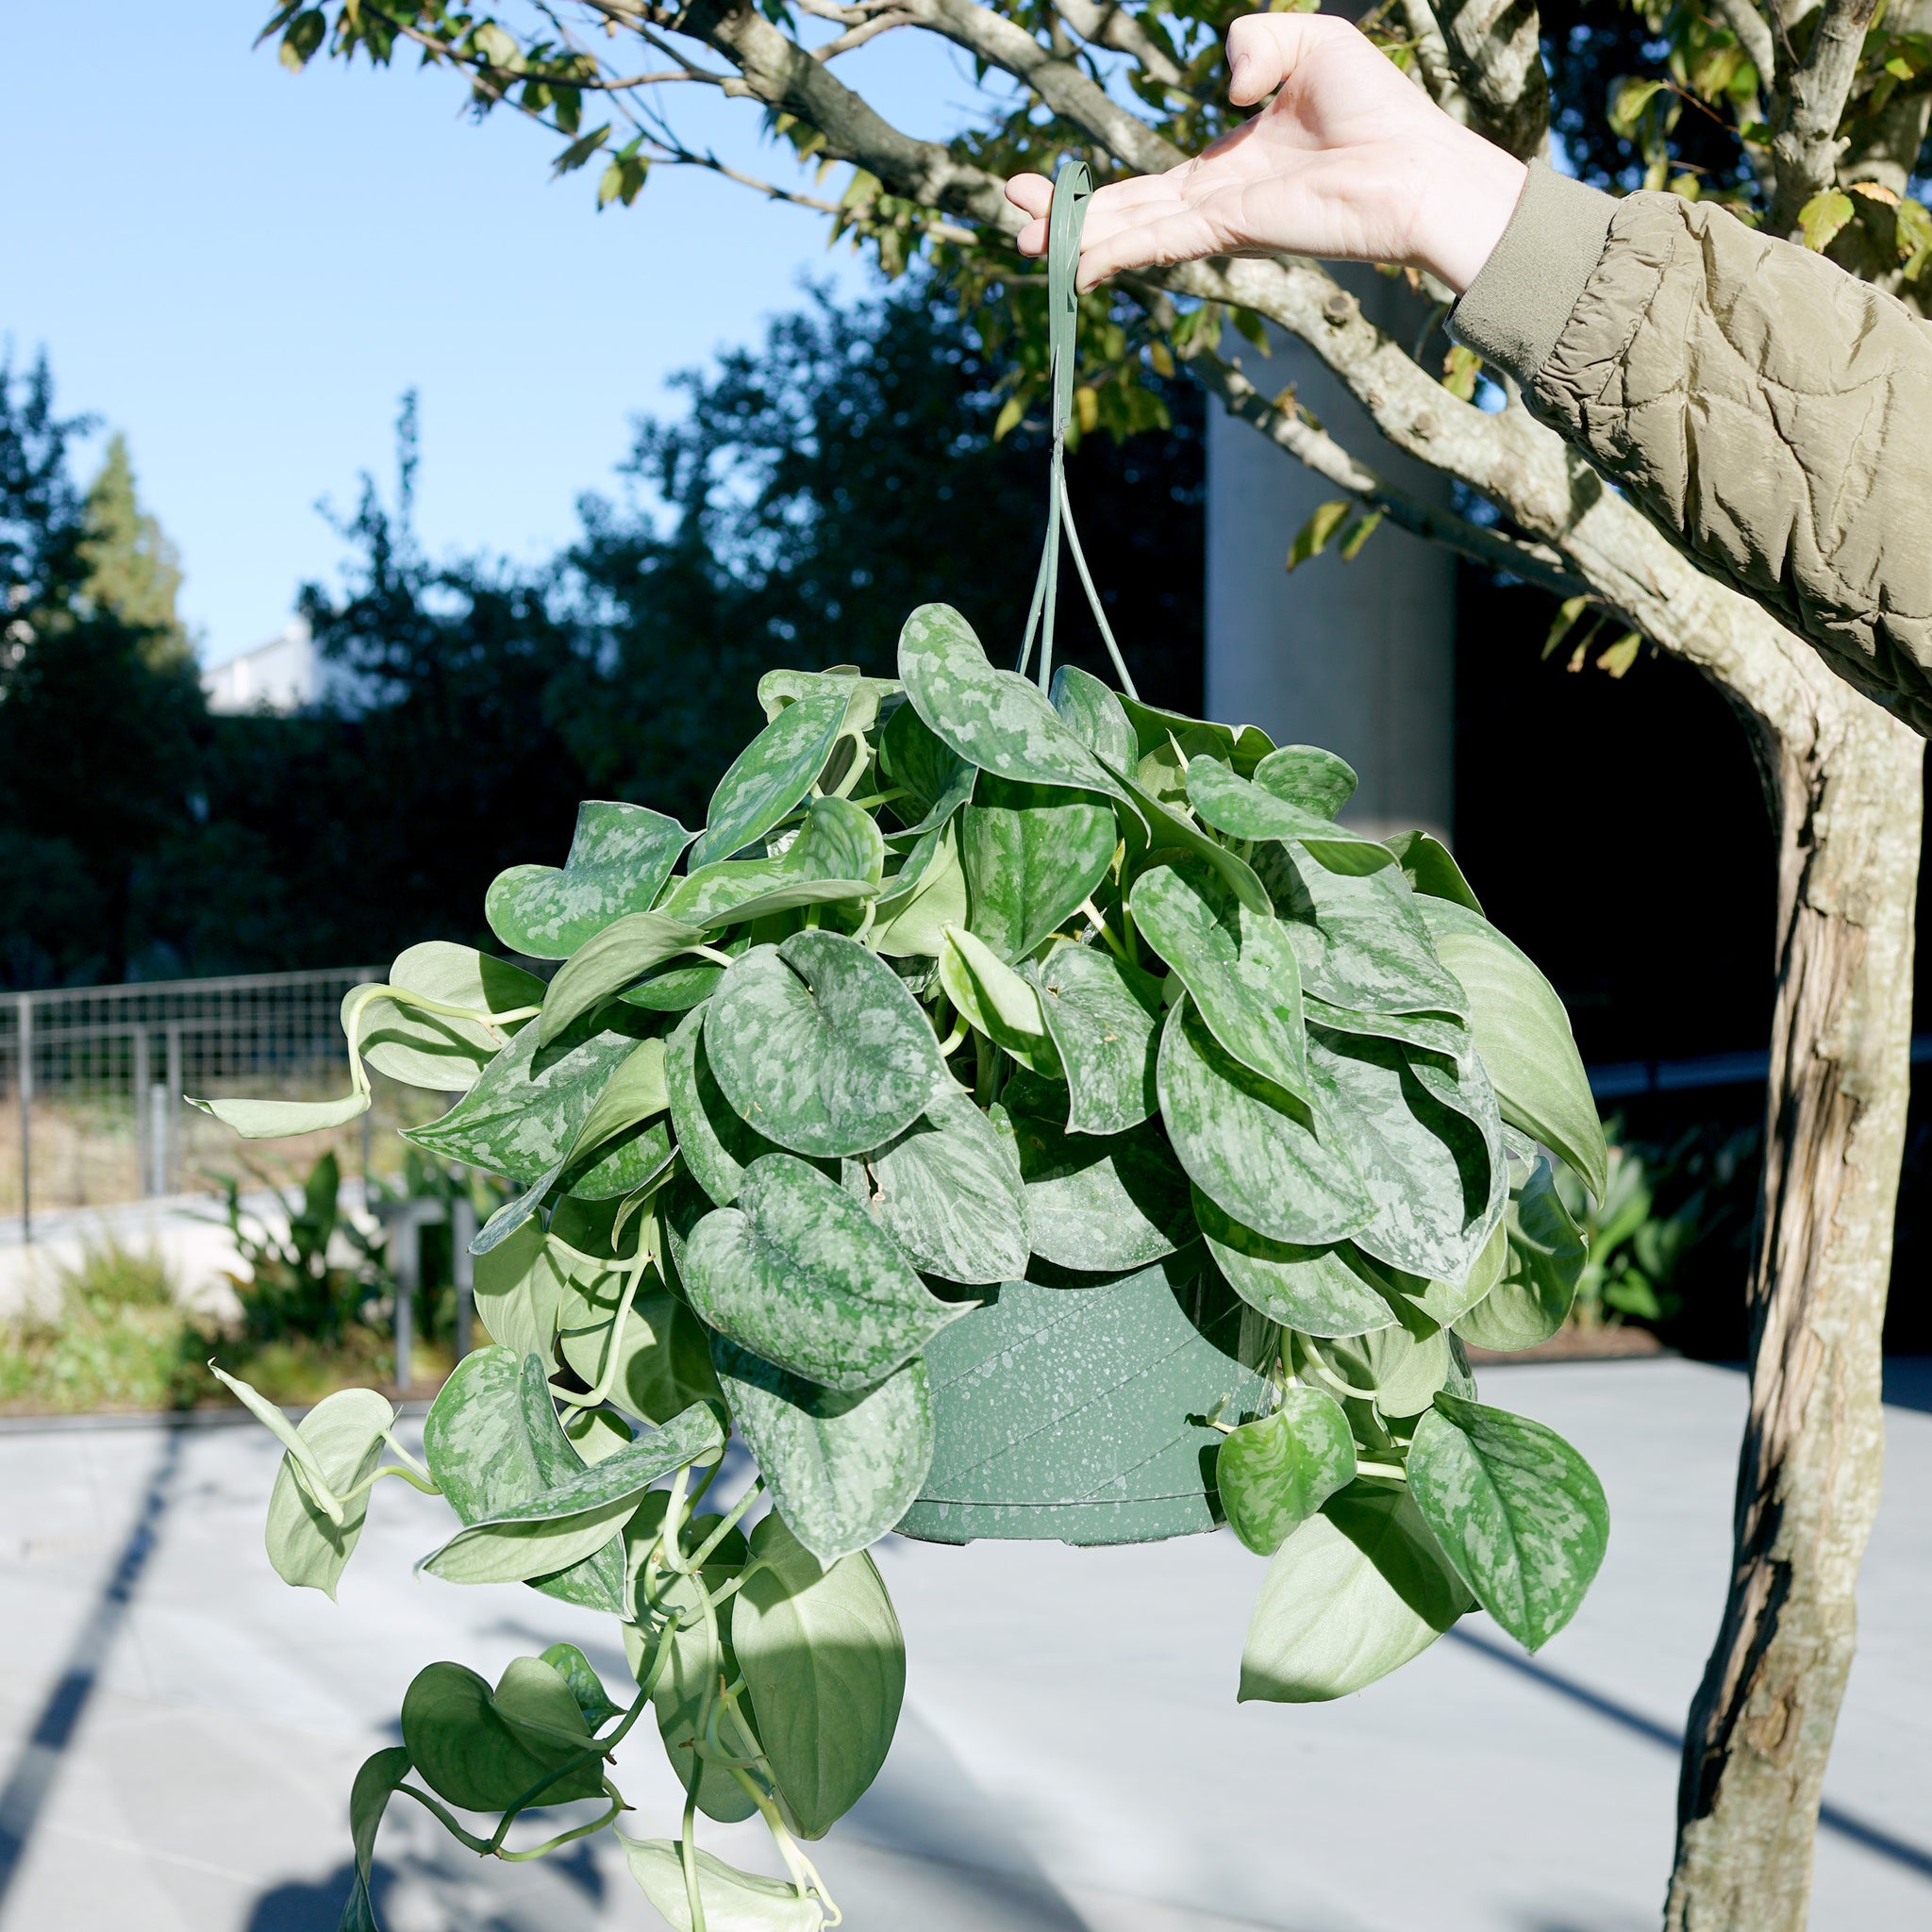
<point x="101" y="716"/>
<point x="1823" y="116"/>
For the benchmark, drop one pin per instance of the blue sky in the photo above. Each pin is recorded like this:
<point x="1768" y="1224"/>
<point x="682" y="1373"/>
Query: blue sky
<point x="243" y="269"/>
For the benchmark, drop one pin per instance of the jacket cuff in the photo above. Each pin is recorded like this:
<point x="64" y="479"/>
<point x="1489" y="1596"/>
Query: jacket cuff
<point x="1516" y="308"/>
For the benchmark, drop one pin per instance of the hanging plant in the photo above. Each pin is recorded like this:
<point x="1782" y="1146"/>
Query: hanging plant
<point x="1027" y="1113"/>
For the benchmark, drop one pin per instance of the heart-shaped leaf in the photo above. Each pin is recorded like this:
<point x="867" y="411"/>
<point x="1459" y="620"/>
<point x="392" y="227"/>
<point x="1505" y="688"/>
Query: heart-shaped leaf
<point x="1430" y="1170"/>
<point x="1245" y="810"/>
<point x="270" y="1119"/>
<point x="1325" y="1290"/>
<point x="1351" y="1595"/>
<point x="835" y="854"/>
<point x="1104" y="1019"/>
<point x="622" y="952"/>
<point x="1095" y="717"/>
<point x="927" y="895"/>
<point x="769" y="776"/>
<point x="1524" y="1036"/>
<point x="1239" y="965"/>
<point x="622" y="1165"/>
<point x="1521" y="1514"/>
<point x="522" y="1117"/>
<point x="419" y="1048"/>
<point x="619" y="859"/>
<point x="1276" y="1472"/>
<point x="1361" y="940"/>
<point x="940" y="780"/>
<point x="1101" y="1203"/>
<point x="1248" y="1146"/>
<point x="824" y="1663"/>
<point x="949" y="1193"/>
<point x="483" y="1750"/>
<point x="716" y="1144"/>
<point x="491" y="1440"/>
<point x="1430" y="871"/>
<point x="1169" y="832"/>
<point x="586" y="1685"/>
<point x="994" y="999"/>
<point x="994" y="719"/>
<point x="1241" y="746"/>
<point x="1545" y="1260"/>
<point x="1032" y="855"/>
<point x="734" y="1901"/>
<point x="519" y="1291"/>
<point x="800" y="1273"/>
<point x="818" y="1044"/>
<point x="343" y="1433"/>
<point x="567" y="1520"/>
<point x="1304" y="774"/>
<point x="842" y="1468"/>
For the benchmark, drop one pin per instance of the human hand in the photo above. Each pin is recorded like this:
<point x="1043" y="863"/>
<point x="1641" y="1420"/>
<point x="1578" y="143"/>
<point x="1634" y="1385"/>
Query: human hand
<point x="1349" y="160"/>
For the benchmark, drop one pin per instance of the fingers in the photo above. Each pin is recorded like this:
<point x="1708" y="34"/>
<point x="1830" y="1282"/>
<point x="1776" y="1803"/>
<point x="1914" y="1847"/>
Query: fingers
<point x="1031" y="194"/>
<point x="1263" y="49"/>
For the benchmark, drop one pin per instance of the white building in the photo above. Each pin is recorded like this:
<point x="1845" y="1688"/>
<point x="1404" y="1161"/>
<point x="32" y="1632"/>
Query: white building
<point x="280" y="675"/>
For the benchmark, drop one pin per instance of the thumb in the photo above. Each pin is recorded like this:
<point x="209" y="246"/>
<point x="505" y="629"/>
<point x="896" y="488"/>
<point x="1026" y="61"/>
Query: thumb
<point x="1263" y="49"/>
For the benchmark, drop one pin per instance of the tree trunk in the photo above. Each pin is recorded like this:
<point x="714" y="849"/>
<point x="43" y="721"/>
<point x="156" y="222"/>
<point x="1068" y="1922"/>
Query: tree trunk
<point x="1848" y="806"/>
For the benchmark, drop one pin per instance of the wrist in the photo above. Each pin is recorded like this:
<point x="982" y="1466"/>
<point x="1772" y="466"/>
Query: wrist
<point x="1466" y="202"/>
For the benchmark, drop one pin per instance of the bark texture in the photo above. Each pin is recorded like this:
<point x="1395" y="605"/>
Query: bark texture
<point x="1847" y="804"/>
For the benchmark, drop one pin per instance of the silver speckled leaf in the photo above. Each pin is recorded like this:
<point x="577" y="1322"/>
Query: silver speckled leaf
<point x="1245" y="1145"/>
<point x="1238" y="965"/>
<point x="994" y="719"/>
<point x="771" y="774"/>
<point x="620" y="856"/>
<point x="842" y="1468"/>
<point x="817" y="1043"/>
<point x="948" y="1191"/>
<point x="799" y="1272"/>
<point x="1521" y="1514"/>
<point x="1104" y="1019"/>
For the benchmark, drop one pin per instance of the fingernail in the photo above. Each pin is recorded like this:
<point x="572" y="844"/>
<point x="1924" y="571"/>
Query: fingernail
<point x="1241" y="63"/>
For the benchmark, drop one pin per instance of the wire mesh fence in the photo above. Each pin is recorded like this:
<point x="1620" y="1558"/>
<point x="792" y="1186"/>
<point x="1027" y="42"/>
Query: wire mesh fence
<point x="96" y="1077"/>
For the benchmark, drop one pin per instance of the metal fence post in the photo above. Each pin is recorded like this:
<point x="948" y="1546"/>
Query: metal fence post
<point x="406" y="1264"/>
<point x="462" y="1231"/>
<point x="27" y="1116"/>
<point x="141" y="1107"/>
<point x="174" y="1109"/>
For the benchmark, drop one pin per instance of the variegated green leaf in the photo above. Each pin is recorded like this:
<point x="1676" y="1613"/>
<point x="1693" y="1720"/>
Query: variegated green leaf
<point x="800" y="1273"/>
<point x="842" y="1468"/>
<point x="769" y="776"/>
<point x="1244" y="810"/>
<point x="1249" y="1146"/>
<point x="818" y="1044"/>
<point x="1104" y="1019"/>
<point x="1032" y="855"/>
<point x="1239" y="966"/>
<point x="619" y="859"/>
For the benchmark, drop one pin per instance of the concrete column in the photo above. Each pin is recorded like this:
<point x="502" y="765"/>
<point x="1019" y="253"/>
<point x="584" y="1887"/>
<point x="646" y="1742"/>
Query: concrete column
<point x="1357" y="657"/>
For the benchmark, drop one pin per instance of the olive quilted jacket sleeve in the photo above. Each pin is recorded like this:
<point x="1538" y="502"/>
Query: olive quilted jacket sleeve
<point x="1769" y="411"/>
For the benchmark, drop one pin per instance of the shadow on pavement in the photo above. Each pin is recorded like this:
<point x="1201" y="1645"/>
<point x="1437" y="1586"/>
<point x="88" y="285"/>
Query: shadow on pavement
<point x="37" y="1764"/>
<point x="1831" y="1818"/>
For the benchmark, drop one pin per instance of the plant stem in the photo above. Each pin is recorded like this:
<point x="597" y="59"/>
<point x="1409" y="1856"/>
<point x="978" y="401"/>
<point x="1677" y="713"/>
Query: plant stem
<point x="1101" y="926"/>
<point x="727" y="1523"/>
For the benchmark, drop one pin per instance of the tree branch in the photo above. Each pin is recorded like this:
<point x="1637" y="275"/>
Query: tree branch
<point x="1753" y="33"/>
<point x="1806" y="143"/>
<point x="1107" y="24"/>
<point x="1498" y="64"/>
<point x="1432" y="60"/>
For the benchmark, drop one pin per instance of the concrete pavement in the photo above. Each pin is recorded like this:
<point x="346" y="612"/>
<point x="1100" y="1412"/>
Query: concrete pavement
<point x="180" y="1729"/>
